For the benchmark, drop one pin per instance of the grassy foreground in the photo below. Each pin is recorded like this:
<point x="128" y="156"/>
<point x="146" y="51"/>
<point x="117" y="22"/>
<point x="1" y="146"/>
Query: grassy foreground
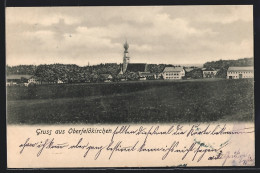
<point x="152" y="102"/>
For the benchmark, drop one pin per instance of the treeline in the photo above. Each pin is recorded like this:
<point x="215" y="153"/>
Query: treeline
<point x="71" y="73"/>
<point x="21" y="69"/>
<point x="227" y="63"/>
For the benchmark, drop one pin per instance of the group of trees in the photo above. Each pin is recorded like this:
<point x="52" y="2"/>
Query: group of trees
<point x="196" y="73"/>
<point x="227" y="63"/>
<point x="21" y="69"/>
<point x="71" y="73"/>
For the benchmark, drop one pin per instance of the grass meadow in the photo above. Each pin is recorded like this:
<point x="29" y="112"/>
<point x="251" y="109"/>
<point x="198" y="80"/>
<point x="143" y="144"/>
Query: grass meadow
<point x="133" y="102"/>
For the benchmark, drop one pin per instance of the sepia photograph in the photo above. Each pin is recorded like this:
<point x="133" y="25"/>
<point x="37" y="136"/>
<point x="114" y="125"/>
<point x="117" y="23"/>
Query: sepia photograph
<point x="107" y="68"/>
<point x="129" y="64"/>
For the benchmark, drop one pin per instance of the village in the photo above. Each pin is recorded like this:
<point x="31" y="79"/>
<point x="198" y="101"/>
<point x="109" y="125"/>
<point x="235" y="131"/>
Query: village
<point x="127" y="71"/>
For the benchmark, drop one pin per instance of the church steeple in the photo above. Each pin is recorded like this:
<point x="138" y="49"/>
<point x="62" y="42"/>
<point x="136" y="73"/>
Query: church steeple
<point x="121" y="70"/>
<point x="126" y="57"/>
<point x="126" y="46"/>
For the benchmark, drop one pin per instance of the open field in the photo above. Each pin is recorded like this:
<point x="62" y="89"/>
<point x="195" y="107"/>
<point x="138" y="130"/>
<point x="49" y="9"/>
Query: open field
<point x="133" y="102"/>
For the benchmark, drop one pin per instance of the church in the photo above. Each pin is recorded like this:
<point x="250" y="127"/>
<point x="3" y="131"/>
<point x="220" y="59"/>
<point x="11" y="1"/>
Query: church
<point x="139" y="68"/>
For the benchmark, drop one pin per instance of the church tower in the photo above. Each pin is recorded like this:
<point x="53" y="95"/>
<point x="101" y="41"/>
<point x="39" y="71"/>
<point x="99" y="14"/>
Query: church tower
<point x="126" y="57"/>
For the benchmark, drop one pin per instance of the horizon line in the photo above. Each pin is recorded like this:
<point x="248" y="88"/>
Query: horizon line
<point x="130" y="63"/>
<point x="106" y="63"/>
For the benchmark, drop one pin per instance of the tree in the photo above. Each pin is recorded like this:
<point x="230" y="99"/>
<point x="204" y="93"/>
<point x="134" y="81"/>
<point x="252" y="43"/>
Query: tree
<point x="195" y="74"/>
<point x="132" y="76"/>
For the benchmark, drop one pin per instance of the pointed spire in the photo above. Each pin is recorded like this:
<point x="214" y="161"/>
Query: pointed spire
<point x="126" y="46"/>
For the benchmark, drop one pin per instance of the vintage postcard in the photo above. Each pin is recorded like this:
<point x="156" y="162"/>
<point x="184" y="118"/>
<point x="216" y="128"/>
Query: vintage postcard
<point x="130" y="86"/>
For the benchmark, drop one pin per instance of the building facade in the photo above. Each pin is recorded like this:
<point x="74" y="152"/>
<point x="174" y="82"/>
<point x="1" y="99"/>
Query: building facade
<point x="147" y="76"/>
<point x="209" y="73"/>
<point x="240" y="72"/>
<point x="173" y="73"/>
<point x="34" y="80"/>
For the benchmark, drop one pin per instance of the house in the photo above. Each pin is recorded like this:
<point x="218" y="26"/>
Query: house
<point x="106" y="77"/>
<point x="173" y="73"/>
<point x="146" y="75"/>
<point x="17" y="79"/>
<point x="59" y="81"/>
<point x="140" y="69"/>
<point x="209" y="72"/>
<point x="32" y="80"/>
<point x="142" y="78"/>
<point x="35" y="80"/>
<point x="240" y="72"/>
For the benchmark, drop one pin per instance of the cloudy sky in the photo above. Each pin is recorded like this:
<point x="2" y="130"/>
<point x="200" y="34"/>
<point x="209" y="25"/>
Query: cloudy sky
<point x="156" y="34"/>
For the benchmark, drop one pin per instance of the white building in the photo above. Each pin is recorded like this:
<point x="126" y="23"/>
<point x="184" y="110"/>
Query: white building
<point x="59" y="81"/>
<point x="240" y="72"/>
<point x="173" y="73"/>
<point x="32" y="80"/>
<point x="146" y="75"/>
<point x="209" y="72"/>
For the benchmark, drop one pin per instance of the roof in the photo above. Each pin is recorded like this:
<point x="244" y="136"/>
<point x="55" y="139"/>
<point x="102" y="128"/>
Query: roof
<point x="146" y="74"/>
<point x="251" y="68"/>
<point x="169" y="69"/>
<point x="18" y="76"/>
<point x="188" y="69"/>
<point x="209" y="69"/>
<point x="136" y="67"/>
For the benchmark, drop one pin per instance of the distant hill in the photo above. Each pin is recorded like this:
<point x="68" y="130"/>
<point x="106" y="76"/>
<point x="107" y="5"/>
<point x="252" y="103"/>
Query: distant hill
<point x="21" y="70"/>
<point x="228" y="63"/>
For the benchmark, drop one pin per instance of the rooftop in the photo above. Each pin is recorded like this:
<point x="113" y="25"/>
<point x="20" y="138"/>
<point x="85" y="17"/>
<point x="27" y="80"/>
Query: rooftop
<point x="250" y="68"/>
<point x="209" y="69"/>
<point x="18" y="76"/>
<point x="169" y="69"/>
<point x="136" y="67"/>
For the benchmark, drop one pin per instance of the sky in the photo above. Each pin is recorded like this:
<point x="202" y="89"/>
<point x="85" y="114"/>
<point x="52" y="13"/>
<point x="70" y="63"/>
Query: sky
<point x="156" y="34"/>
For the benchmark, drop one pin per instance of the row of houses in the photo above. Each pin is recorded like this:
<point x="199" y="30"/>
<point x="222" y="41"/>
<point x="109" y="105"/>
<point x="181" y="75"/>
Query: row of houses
<point x="169" y="73"/>
<point x="173" y="73"/>
<point x="25" y="80"/>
